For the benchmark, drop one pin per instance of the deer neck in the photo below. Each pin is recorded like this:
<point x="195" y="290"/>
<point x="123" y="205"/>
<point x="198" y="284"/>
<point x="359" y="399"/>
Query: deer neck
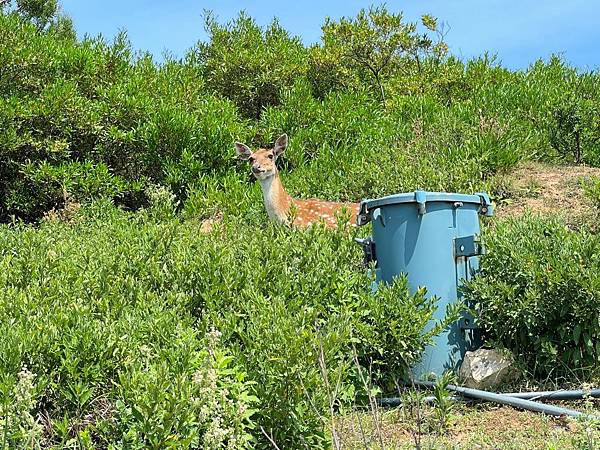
<point x="277" y="201"/>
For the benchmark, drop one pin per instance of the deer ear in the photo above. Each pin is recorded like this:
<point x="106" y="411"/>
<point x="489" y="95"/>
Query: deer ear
<point x="242" y="150"/>
<point x="280" y="145"/>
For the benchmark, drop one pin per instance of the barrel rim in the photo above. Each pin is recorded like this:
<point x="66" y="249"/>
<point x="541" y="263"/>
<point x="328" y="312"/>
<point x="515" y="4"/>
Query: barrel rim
<point x="421" y="198"/>
<point x="411" y="197"/>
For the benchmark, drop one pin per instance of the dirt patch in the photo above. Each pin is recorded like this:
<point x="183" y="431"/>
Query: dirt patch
<point x="482" y="426"/>
<point x="66" y="213"/>
<point x="499" y="426"/>
<point x="546" y="189"/>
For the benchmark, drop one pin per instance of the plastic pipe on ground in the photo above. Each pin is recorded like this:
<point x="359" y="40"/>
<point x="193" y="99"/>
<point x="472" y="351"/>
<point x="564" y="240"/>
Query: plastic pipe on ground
<point x="556" y="395"/>
<point x="507" y="400"/>
<point x="392" y="402"/>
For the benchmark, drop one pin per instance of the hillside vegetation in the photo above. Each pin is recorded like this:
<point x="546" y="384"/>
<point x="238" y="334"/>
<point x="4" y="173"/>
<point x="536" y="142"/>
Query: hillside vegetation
<point x="125" y="324"/>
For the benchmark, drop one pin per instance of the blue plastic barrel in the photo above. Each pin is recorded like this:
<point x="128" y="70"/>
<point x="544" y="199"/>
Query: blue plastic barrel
<point x="432" y="237"/>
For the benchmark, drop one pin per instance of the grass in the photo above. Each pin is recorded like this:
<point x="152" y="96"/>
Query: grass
<point x="484" y="426"/>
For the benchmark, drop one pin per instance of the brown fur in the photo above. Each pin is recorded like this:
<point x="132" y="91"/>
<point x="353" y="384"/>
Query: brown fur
<point x="280" y="206"/>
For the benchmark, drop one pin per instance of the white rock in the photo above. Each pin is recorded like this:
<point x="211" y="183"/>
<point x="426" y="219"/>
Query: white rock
<point x="486" y="368"/>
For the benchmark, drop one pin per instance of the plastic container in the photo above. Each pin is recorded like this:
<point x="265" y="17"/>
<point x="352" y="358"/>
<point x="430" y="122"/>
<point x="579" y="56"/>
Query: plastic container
<point x="433" y="238"/>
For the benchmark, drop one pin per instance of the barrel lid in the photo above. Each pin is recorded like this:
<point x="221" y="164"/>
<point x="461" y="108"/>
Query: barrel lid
<point x="421" y="198"/>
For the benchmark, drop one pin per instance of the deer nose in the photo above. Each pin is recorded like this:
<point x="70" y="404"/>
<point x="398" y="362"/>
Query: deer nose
<point x="256" y="169"/>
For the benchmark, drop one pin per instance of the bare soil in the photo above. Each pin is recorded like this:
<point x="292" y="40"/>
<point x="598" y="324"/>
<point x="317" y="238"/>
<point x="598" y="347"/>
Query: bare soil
<point x="207" y="225"/>
<point x="481" y="426"/>
<point x="544" y="189"/>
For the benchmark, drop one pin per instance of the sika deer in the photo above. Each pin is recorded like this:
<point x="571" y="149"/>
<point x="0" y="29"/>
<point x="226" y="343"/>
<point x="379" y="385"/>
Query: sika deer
<point x="280" y="206"/>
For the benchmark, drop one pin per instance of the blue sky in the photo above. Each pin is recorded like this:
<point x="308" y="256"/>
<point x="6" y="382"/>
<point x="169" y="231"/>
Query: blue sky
<point x="519" y="32"/>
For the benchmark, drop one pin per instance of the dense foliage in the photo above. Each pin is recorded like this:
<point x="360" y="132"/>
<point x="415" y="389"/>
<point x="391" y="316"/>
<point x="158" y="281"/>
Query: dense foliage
<point x="105" y="322"/>
<point x="126" y="323"/>
<point x="86" y="119"/>
<point x="247" y="65"/>
<point x="539" y="294"/>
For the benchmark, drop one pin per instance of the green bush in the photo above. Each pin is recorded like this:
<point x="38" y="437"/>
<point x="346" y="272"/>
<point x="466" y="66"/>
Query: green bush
<point x="247" y="64"/>
<point x="42" y="13"/>
<point x="538" y="294"/>
<point x="199" y="400"/>
<point x="549" y="104"/>
<point x="591" y="188"/>
<point x="369" y="49"/>
<point x="122" y="303"/>
<point x="446" y="125"/>
<point x="576" y="131"/>
<point x="86" y="107"/>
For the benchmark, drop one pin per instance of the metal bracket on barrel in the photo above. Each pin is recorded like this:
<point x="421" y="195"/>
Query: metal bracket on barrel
<point x="421" y="199"/>
<point x="468" y="246"/>
<point x="369" y="210"/>
<point x="467" y="322"/>
<point x="368" y="246"/>
<point x="364" y="215"/>
<point x="486" y="208"/>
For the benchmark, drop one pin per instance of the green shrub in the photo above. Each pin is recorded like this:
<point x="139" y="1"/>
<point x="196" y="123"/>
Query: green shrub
<point x="87" y="107"/>
<point x="326" y="74"/>
<point x="591" y="188"/>
<point x="247" y="64"/>
<point x="290" y="301"/>
<point x="204" y="403"/>
<point x="575" y="134"/>
<point x="339" y="126"/>
<point x="538" y="294"/>
<point x="18" y="401"/>
<point x="370" y="48"/>
<point x="110" y="313"/>
<point x="111" y="362"/>
<point x="40" y="12"/>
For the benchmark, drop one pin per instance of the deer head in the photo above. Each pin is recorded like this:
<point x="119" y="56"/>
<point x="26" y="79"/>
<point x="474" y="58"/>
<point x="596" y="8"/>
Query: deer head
<point x="263" y="160"/>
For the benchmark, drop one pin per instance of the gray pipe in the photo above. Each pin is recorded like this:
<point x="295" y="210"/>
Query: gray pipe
<point x="539" y="395"/>
<point x="507" y="400"/>
<point x="556" y="395"/>
<point x="392" y="402"/>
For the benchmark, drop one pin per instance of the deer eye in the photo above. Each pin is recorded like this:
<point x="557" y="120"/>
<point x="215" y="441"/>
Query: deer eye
<point x="270" y="156"/>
